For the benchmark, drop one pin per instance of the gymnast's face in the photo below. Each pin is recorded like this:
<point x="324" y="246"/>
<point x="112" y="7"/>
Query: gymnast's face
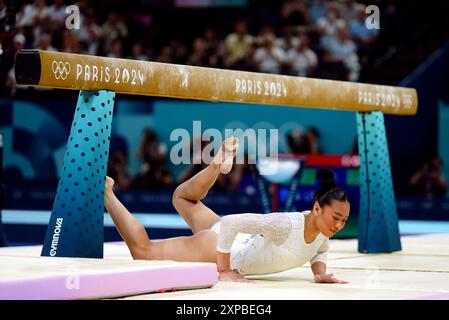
<point x="331" y="218"/>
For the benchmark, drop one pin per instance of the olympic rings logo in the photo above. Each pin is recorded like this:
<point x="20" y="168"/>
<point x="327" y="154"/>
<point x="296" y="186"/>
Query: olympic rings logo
<point x="60" y="69"/>
<point x="407" y="100"/>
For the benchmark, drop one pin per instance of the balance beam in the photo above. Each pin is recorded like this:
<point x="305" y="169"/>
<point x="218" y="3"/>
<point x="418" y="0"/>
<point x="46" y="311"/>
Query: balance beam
<point x="84" y="72"/>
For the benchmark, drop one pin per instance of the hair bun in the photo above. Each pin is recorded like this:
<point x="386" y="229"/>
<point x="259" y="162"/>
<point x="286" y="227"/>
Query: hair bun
<point x="326" y="178"/>
<point x="328" y="191"/>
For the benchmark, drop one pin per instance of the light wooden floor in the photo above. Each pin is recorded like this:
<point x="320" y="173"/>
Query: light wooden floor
<point x="419" y="271"/>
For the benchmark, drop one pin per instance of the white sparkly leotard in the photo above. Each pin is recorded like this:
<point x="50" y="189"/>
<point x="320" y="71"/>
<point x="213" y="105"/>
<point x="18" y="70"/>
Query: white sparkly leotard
<point x="268" y="243"/>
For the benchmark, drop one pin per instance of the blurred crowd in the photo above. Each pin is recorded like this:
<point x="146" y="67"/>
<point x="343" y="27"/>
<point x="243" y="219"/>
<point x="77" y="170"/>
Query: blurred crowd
<point x="429" y="181"/>
<point x="308" y="38"/>
<point x="154" y="172"/>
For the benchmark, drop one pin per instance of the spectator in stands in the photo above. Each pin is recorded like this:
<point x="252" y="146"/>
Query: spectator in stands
<point x="56" y="15"/>
<point x="302" y="61"/>
<point x="90" y="33"/>
<point x="317" y="10"/>
<point x="359" y="32"/>
<point x="154" y="177"/>
<point x="249" y="61"/>
<point x="165" y="55"/>
<point x="198" y="57"/>
<point x="237" y="45"/>
<point x="341" y="49"/>
<point x="289" y="39"/>
<point x="294" y="13"/>
<point x="31" y="19"/>
<point x="429" y="181"/>
<point x="153" y="173"/>
<point x="214" y="48"/>
<point x="304" y="142"/>
<point x="19" y="42"/>
<point x="31" y="14"/>
<point x="71" y="42"/>
<point x="113" y="29"/>
<point x="118" y="168"/>
<point x="329" y="24"/>
<point x="178" y="52"/>
<point x="148" y="150"/>
<point x="116" y="49"/>
<point x="45" y="42"/>
<point x="269" y="58"/>
<point x="358" y="29"/>
<point x="351" y="9"/>
<point x="137" y="52"/>
<point x="264" y="31"/>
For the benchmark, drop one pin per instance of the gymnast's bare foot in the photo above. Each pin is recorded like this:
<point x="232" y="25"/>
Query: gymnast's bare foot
<point x="226" y="154"/>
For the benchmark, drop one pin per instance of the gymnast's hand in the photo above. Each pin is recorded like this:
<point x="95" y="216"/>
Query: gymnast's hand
<point x="327" y="278"/>
<point x="230" y="275"/>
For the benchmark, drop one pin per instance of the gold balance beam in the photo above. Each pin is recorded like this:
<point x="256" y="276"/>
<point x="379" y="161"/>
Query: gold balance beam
<point x="84" y="72"/>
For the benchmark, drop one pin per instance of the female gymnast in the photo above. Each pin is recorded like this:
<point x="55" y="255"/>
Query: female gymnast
<point x="240" y="244"/>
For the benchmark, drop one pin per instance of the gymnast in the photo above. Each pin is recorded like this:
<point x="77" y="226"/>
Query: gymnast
<point x="240" y="244"/>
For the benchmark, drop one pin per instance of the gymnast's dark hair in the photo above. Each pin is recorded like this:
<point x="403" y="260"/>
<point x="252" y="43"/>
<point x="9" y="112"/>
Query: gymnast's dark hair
<point x="328" y="190"/>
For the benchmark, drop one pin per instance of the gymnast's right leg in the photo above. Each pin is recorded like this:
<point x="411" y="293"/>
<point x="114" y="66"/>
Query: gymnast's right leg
<point x="197" y="248"/>
<point x="187" y="196"/>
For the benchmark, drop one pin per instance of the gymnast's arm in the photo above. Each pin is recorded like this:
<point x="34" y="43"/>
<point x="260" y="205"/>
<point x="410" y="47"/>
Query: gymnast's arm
<point x="318" y="266"/>
<point x="320" y="276"/>
<point x="274" y="225"/>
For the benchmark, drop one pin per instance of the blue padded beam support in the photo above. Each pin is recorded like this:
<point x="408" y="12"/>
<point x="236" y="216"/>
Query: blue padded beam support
<point x="76" y="223"/>
<point x="378" y="221"/>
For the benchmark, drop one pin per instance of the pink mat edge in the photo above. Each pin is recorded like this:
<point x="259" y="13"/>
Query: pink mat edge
<point x="111" y="284"/>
